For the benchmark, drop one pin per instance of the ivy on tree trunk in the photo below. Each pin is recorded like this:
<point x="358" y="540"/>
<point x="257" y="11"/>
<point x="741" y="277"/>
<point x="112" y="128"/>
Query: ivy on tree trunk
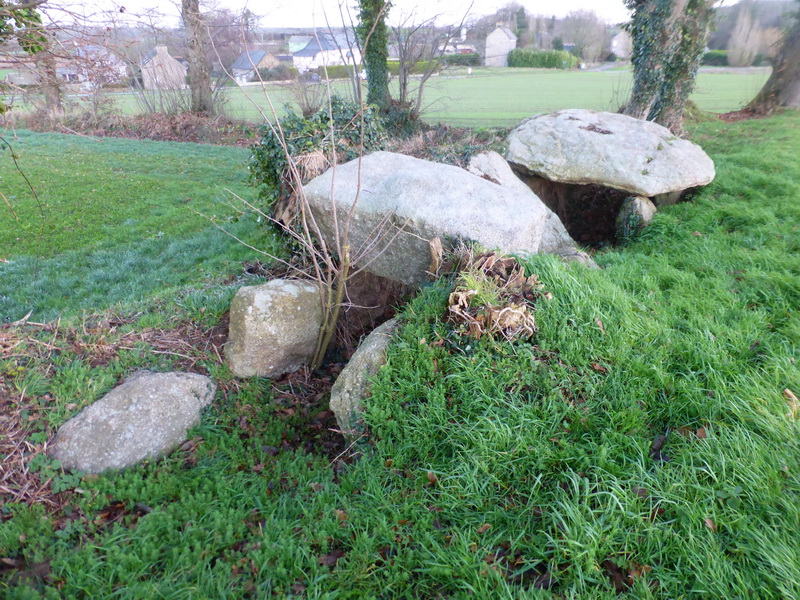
<point x="49" y="82"/>
<point x="374" y="34"/>
<point x="196" y="46"/>
<point x="669" y="37"/>
<point x="783" y="86"/>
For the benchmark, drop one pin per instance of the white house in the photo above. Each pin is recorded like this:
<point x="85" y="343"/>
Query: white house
<point x="498" y="44"/>
<point x="621" y="44"/>
<point x="326" y="50"/>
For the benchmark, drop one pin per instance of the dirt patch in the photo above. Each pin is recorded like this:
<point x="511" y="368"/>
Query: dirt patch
<point x="301" y="399"/>
<point x="744" y="114"/>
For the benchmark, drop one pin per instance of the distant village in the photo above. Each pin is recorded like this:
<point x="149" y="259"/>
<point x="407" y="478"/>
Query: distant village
<point x="148" y="58"/>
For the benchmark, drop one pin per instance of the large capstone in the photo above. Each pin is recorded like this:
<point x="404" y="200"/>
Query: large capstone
<point x="273" y="328"/>
<point x="584" y="164"/>
<point x="146" y="417"/>
<point x="401" y="203"/>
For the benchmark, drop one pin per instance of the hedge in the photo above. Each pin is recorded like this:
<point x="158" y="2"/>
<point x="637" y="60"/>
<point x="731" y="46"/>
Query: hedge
<point x="716" y="58"/>
<point x="418" y="68"/>
<point x="336" y="71"/>
<point x="462" y="60"/>
<point x="278" y="73"/>
<point x="542" y="59"/>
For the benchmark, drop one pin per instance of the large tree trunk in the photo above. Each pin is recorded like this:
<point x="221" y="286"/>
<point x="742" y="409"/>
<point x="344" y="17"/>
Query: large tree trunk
<point x="783" y="86"/>
<point x="196" y="47"/>
<point x="668" y="41"/>
<point x="373" y="34"/>
<point x="50" y="85"/>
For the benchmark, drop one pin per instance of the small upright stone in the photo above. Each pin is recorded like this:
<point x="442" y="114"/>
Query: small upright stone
<point x="145" y="417"/>
<point x="273" y="328"/>
<point x="353" y="385"/>
<point x="635" y="214"/>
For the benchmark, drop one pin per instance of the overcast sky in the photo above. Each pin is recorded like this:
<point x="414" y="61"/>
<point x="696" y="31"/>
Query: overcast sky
<point x="306" y="13"/>
<point x="291" y="13"/>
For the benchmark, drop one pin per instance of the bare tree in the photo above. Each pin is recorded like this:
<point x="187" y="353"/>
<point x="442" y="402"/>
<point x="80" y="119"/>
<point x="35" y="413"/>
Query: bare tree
<point x="424" y="44"/>
<point x="587" y="31"/>
<point x="745" y="37"/>
<point x="197" y="55"/>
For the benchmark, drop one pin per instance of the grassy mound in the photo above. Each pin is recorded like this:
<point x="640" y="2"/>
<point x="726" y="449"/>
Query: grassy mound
<point x="644" y="442"/>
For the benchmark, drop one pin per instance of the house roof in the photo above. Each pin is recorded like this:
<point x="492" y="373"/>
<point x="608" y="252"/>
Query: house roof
<point x="508" y="33"/>
<point x="324" y="42"/>
<point x="149" y="56"/>
<point x="249" y="60"/>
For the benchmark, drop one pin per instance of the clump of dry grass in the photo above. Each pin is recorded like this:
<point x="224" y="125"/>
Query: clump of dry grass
<point x="492" y="296"/>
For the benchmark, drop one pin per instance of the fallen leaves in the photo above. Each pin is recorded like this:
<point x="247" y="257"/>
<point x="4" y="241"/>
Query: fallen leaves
<point x="601" y="326"/>
<point x="516" y="568"/>
<point x="330" y="559"/>
<point x="493" y="296"/>
<point x="655" y="448"/>
<point x="700" y="433"/>
<point x="793" y="403"/>
<point x="710" y="524"/>
<point x="484" y="528"/>
<point x="624" y="577"/>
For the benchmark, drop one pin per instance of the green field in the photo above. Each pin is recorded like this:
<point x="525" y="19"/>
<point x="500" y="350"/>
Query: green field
<point x="116" y="220"/>
<point x="644" y="443"/>
<point x="501" y="97"/>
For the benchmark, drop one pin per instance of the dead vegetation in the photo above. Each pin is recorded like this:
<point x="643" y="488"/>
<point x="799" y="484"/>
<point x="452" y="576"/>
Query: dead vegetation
<point x="492" y="296"/>
<point x="186" y="127"/>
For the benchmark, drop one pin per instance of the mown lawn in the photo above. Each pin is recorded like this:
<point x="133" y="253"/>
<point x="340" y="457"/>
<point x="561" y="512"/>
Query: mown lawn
<point x="115" y="220"/>
<point x="502" y="97"/>
<point x="640" y="444"/>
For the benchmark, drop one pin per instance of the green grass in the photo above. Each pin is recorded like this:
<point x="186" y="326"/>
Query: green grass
<point x="116" y="220"/>
<point x="519" y="93"/>
<point x="502" y="97"/>
<point x="461" y="100"/>
<point x="548" y="442"/>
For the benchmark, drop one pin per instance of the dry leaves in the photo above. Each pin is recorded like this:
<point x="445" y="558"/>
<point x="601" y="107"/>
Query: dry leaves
<point x="793" y="403"/>
<point x="330" y="559"/>
<point x="601" y="326"/>
<point x="493" y="296"/>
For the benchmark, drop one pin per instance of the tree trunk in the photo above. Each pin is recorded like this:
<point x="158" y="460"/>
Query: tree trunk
<point x="669" y="37"/>
<point x="51" y="87"/>
<point x="196" y="46"/>
<point x="373" y="33"/>
<point x="783" y="87"/>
